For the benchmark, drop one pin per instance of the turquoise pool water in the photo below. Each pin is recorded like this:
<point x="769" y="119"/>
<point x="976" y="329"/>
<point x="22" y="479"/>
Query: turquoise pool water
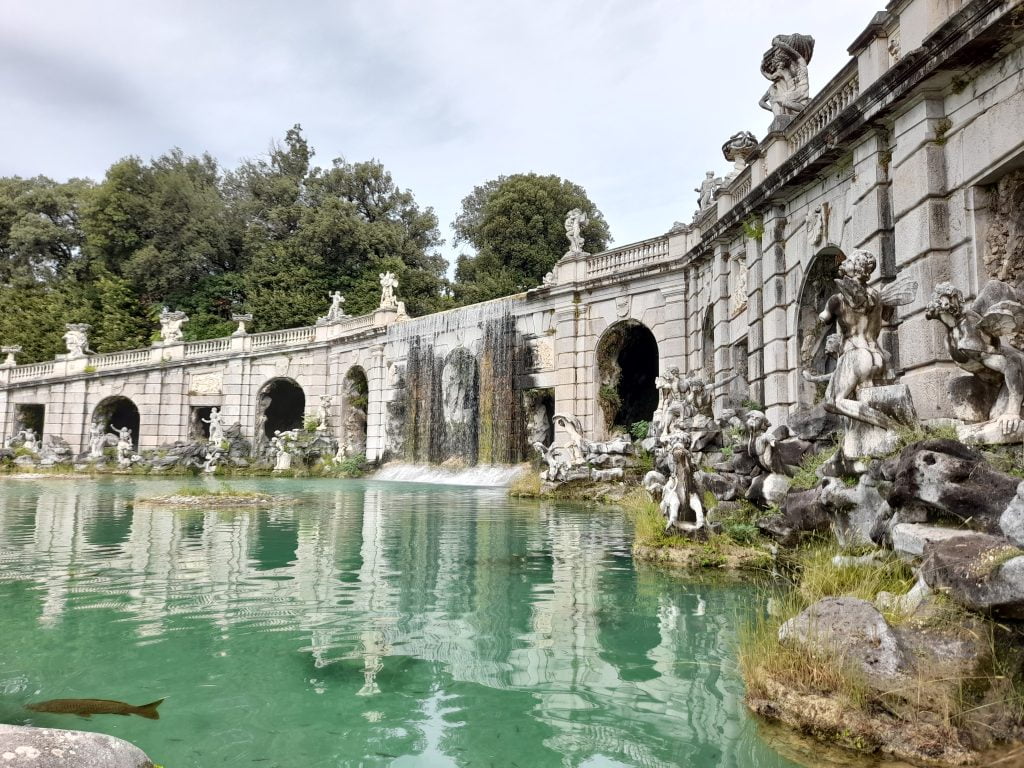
<point x="366" y="624"/>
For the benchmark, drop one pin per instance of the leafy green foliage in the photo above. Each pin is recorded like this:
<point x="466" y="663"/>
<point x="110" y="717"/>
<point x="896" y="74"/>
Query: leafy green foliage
<point x="516" y="225"/>
<point x="640" y="429"/>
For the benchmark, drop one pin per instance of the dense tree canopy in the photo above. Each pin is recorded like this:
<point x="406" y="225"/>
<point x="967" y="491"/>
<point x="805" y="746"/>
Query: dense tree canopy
<point x="516" y="225"/>
<point x="272" y="237"/>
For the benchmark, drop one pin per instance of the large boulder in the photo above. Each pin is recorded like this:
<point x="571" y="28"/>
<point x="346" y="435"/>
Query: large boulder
<point x="814" y="424"/>
<point x="801" y="512"/>
<point x="855" y="632"/>
<point x="952" y="482"/>
<point x="980" y="572"/>
<point x="855" y="511"/>
<point x="57" y="748"/>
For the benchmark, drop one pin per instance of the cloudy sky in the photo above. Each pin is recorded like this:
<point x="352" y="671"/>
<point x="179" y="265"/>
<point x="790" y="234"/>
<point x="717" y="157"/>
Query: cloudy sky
<point x="630" y="98"/>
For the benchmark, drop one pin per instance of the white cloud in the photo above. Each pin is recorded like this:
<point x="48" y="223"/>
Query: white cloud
<point x="630" y="98"/>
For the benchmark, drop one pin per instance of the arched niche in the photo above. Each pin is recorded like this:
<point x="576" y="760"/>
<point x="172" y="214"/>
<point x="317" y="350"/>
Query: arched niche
<point x="117" y="412"/>
<point x="818" y="286"/>
<point x="627" y="366"/>
<point x="280" y="406"/>
<point x="355" y="394"/>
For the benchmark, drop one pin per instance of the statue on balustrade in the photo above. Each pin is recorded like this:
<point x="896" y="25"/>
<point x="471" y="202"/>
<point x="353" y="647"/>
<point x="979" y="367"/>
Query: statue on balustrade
<point x="984" y="340"/>
<point x="336" y="311"/>
<point x="388" y="286"/>
<point x="171" y="326"/>
<point x="575" y="220"/>
<point x="785" y="64"/>
<point x="707" y="192"/>
<point x="77" y="340"/>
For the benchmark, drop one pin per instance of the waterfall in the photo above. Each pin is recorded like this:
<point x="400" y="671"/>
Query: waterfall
<point x="459" y="399"/>
<point x="482" y="476"/>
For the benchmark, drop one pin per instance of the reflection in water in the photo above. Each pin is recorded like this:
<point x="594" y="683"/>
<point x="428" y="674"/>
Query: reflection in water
<point x="367" y="624"/>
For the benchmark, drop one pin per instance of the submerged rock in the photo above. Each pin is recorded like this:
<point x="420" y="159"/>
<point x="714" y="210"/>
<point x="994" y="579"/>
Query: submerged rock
<point x="58" y="748"/>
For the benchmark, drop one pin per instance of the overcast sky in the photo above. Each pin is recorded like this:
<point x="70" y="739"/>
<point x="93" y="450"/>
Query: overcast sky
<point x="632" y="99"/>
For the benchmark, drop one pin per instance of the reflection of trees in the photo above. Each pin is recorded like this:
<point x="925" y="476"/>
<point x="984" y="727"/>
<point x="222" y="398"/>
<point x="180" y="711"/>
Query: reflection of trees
<point x="475" y="623"/>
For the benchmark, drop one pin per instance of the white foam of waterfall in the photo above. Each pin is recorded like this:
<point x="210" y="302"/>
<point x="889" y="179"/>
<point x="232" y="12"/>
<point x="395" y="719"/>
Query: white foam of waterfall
<point x="484" y="475"/>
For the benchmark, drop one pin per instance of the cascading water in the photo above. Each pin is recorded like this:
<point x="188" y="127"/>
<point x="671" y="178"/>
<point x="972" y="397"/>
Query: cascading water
<point x="459" y="398"/>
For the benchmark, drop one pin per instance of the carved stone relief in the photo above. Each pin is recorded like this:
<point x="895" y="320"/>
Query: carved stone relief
<point x="1004" y="242"/>
<point x="206" y="383"/>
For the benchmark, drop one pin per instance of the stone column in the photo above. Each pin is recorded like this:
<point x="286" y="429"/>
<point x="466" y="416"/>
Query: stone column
<point x="376" y="415"/>
<point x="720" y="307"/>
<point x="779" y="395"/>
<point x="755" y="322"/>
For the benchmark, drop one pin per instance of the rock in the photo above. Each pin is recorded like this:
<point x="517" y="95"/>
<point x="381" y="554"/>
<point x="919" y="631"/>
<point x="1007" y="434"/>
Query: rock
<point x="906" y="604"/>
<point x="774" y="489"/>
<point x="57" y="748"/>
<point x="854" y="630"/>
<point x="855" y="511"/>
<point x="721" y="487"/>
<point x="910" y="539"/>
<point x="607" y="475"/>
<point x="861" y="561"/>
<point x="980" y="572"/>
<point x="802" y="512"/>
<point x="815" y="424"/>
<point x="951" y="481"/>
<point x="862" y="439"/>
<point x="1011" y="522"/>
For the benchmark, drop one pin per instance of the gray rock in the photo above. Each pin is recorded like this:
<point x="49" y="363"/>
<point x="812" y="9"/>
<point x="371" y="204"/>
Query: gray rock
<point x="1011" y="522"/>
<point x="802" y="512"/>
<point x="980" y="572"/>
<point x="774" y="489"/>
<point x="910" y="539"/>
<point x="906" y="604"/>
<point x="855" y="511"/>
<point x="57" y="748"/>
<point x="814" y="424"/>
<point x="952" y="482"/>
<point x="854" y="630"/>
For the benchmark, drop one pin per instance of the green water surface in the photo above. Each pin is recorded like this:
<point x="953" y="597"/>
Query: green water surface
<point x="366" y="624"/>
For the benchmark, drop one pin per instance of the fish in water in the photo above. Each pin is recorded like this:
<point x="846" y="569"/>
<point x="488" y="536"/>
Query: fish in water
<point x="89" y="707"/>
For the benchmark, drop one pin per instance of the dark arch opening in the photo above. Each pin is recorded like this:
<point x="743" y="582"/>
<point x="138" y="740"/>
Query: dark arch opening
<point x="118" y="412"/>
<point x="627" y="360"/>
<point x="281" y="407"/>
<point x="356" y="394"/>
<point x="819" y="285"/>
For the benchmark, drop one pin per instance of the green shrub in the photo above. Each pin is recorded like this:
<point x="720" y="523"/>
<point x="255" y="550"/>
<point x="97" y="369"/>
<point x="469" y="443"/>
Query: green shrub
<point x="640" y="429"/>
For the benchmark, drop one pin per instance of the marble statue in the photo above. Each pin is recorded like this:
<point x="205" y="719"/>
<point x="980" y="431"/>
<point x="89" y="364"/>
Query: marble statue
<point x="739" y="149"/>
<point x="77" y="340"/>
<point x="124" y="448"/>
<point x="170" y="326"/>
<point x="983" y="340"/>
<point x="241" y="320"/>
<point x="97" y="439"/>
<point x="323" y="413"/>
<point x="833" y="346"/>
<point x="549" y="279"/>
<point x="785" y="65"/>
<point x="857" y="311"/>
<point x="11" y="351"/>
<point x="816" y="226"/>
<point x="680" y="491"/>
<point x="336" y="311"/>
<point x="29" y="440"/>
<point x="575" y="220"/>
<point x="388" y="286"/>
<point x="281" y="447"/>
<point x="216" y="423"/>
<point x="576" y="445"/>
<point x="708" y="190"/>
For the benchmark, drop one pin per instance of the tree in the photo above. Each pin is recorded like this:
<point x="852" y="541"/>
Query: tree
<point x="516" y="225"/>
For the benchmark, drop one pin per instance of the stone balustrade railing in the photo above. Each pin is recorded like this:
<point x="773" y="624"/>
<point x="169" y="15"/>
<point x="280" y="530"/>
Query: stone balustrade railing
<point x="741" y="185"/>
<point x="208" y="347"/>
<point x="628" y="257"/>
<point x="33" y="371"/>
<point x="825" y="107"/>
<point x="126" y="359"/>
<point x="282" y="338"/>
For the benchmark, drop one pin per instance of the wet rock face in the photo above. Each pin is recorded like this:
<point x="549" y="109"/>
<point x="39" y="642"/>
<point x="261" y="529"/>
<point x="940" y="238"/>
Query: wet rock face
<point x="950" y="481"/>
<point x="856" y="632"/>
<point x="57" y="748"/>
<point x="980" y="572"/>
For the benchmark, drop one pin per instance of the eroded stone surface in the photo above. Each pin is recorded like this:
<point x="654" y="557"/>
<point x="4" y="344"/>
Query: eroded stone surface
<point x="58" y="748"/>
<point x="980" y="572"/>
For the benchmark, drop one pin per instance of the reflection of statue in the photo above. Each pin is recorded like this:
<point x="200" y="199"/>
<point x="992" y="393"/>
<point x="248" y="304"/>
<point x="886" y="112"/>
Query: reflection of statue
<point x="785" y="64"/>
<point x="77" y="340"/>
<point x="978" y="340"/>
<point x="575" y="220"/>
<point x="857" y="310"/>
<point x="388" y="286"/>
<point x="216" y="423"/>
<point x="708" y="190"/>
<point x="97" y="439"/>
<point x="170" y="325"/>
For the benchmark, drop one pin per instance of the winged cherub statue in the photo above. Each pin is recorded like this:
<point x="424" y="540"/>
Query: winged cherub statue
<point x="977" y="338"/>
<point x="857" y="310"/>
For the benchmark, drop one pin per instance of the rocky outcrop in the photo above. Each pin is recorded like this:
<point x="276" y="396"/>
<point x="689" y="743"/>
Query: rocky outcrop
<point x="801" y="512"/>
<point x="980" y="572"/>
<point x="57" y="748"/>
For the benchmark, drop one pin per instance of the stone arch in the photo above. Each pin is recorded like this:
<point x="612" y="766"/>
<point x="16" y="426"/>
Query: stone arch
<point x="118" y="411"/>
<point x="460" y="404"/>
<point x="280" y="406"/>
<point x="818" y="285"/>
<point x="355" y="393"/>
<point x="627" y="366"/>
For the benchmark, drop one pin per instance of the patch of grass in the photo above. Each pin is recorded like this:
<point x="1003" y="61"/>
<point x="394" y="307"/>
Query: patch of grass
<point x="224" y="492"/>
<point x="821" y="578"/>
<point x="908" y="435"/>
<point x="350" y="466"/>
<point x="527" y="484"/>
<point x="746" y="534"/>
<point x="806" y="476"/>
<point x="752" y="405"/>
